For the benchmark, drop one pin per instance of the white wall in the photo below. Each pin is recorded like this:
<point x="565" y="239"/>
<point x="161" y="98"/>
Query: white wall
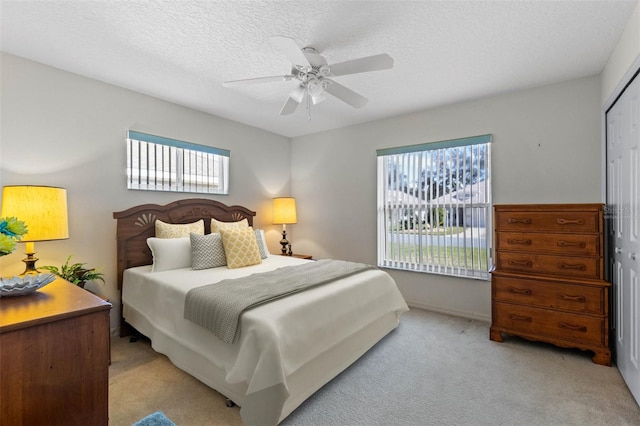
<point x="622" y="58"/>
<point x="546" y="149"/>
<point x="61" y="129"/>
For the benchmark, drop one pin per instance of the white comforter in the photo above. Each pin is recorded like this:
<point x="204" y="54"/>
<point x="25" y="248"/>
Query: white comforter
<point x="277" y="339"/>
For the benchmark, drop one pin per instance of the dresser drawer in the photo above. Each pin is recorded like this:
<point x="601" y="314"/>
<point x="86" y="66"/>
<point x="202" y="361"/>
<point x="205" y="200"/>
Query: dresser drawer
<point x="569" y="297"/>
<point x="554" y="221"/>
<point x="583" y="267"/>
<point x="543" y="322"/>
<point x="581" y="245"/>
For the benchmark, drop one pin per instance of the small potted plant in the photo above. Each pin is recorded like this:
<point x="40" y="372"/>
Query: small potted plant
<point x="76" y="273"/>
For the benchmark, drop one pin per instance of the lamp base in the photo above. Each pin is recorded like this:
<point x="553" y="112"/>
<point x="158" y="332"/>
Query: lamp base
<point x="284" y="243"/>
<point x="30" y="263"/>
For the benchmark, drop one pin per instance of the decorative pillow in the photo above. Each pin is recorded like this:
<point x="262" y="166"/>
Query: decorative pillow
<point x="182" y="230"/>
<point x="170" y="253"/>
<point x="261" y="244"/>
<point x="207" y="251"/>
<point x="240" y="246"/>
<point x="216" y="225"/>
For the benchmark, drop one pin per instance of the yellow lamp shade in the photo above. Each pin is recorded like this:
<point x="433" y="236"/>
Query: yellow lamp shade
<point x="42" y="208"/>
<point x="284" y="211"/>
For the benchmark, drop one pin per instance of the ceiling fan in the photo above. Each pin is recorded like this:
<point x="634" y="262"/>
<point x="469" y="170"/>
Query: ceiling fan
<point x="313" y="74"/>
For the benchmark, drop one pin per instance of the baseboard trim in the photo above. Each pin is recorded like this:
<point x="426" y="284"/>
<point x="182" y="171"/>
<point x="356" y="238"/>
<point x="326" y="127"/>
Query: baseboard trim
<point x="453" y="312"/>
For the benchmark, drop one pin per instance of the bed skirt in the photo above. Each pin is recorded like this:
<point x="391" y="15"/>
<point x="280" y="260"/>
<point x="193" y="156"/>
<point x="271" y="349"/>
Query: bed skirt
<point x="301" y="384"/>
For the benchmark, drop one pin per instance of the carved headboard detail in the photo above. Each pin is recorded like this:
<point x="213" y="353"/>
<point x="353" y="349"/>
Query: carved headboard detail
<point x="137" y="224"/>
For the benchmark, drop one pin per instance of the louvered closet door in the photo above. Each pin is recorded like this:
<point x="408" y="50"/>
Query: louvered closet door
<point x="623" y="197"/>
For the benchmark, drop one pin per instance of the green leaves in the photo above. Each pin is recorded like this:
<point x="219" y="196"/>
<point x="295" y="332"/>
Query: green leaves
<point x="7" y="244"/>
<point x="75" y="273"/>
<point x="11" y="230"/>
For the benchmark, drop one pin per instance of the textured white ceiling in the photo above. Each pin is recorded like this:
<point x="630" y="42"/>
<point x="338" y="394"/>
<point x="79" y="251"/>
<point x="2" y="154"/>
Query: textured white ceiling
<point x="444" y="51"/>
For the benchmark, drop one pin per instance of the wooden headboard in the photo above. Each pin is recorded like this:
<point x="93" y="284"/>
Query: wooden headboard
<point x="137" y="224"/>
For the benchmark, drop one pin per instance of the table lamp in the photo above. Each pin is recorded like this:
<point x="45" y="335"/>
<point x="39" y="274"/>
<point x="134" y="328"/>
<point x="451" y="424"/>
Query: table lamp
<point x="284" y="213"/>
<point x="43" y="209"/>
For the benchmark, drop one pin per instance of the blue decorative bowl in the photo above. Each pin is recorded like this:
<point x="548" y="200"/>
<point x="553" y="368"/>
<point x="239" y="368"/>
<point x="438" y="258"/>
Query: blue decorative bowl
<point x="18" y="286"/>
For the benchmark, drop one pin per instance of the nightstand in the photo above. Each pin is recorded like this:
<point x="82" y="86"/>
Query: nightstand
<point x="300" y="256"/>
<point x="54" y="357"/>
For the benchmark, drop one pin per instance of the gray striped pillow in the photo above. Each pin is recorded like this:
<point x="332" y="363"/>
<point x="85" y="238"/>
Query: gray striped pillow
<point x="207" y="251"/>
<point x="262" y="247"/>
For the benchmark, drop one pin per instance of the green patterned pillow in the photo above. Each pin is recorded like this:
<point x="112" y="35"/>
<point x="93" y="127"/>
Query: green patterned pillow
<point x="240" y="247"/>
<point x="207" y="251"/>
<point x="178" y="230"/>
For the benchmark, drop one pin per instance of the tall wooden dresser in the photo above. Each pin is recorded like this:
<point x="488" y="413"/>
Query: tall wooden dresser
<point x="548" y="280"/>
<point x="54" y="357"/>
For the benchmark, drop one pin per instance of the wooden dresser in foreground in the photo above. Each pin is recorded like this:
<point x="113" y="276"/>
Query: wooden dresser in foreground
<point x="548" y="281"/>
<point x="54" y="357"/>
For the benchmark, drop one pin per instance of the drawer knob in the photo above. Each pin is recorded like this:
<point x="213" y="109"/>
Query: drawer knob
<point x="580" y="328"/>
<point x="570" y="222"/>
<point x="514" y="220"/>
<point x="524" y="318"/>
<point x="576" y="266"/>
<point x="525" y="291"/>
<point x="562" y="243"/>
<point x="572" y="298"/>
<point x="519" y="241"/>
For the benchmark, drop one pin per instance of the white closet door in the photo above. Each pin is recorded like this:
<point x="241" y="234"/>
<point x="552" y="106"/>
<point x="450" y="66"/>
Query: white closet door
<point x="623" y="197"/>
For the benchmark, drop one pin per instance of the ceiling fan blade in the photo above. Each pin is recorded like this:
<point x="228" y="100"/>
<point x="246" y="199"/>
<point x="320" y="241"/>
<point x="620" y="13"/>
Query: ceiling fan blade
<point x="291" y="50"/>
<point x="366" y="64"/>
<point x="347" y="96"/>
<point x="243" y="82"/>
<point x="289" y="107"/>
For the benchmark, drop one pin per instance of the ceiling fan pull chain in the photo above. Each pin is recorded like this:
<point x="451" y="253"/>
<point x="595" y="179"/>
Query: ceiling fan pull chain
<point x="308" y="106"/>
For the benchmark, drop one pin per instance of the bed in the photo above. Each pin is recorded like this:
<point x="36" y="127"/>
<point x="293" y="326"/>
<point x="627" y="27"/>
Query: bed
<point x="287" y="349"/>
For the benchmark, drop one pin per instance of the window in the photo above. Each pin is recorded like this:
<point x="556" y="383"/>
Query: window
<point x="156" y="163"/>
<point x="434" y="207"/>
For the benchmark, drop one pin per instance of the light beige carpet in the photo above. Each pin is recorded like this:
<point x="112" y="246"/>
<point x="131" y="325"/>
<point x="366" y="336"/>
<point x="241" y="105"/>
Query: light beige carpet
<point x="142" y="381"/>
<point x="433" y="370"/>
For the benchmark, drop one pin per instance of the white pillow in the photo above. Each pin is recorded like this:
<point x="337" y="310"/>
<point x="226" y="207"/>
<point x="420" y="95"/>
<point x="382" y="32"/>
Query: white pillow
<point x="170" y="253"/>
<point x="262" y="246"/>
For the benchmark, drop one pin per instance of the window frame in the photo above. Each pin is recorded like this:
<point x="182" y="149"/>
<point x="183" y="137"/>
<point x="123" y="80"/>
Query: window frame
<point x="405" y="188"/>
<point x="156" y="163"/>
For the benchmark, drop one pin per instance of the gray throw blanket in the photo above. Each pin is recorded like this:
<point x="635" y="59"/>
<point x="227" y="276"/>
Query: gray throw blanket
<point x="218" y="307"/>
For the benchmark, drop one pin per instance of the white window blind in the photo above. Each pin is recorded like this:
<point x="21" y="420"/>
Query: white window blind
<point x="156" y="163"/>
<point x="434" y="207"/>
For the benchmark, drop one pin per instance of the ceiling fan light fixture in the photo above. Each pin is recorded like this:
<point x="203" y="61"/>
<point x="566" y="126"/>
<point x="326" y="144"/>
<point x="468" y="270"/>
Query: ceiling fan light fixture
<point x="318" y="98"/>
<point x="314" y="86"/>
<point x="324" y="70"/>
